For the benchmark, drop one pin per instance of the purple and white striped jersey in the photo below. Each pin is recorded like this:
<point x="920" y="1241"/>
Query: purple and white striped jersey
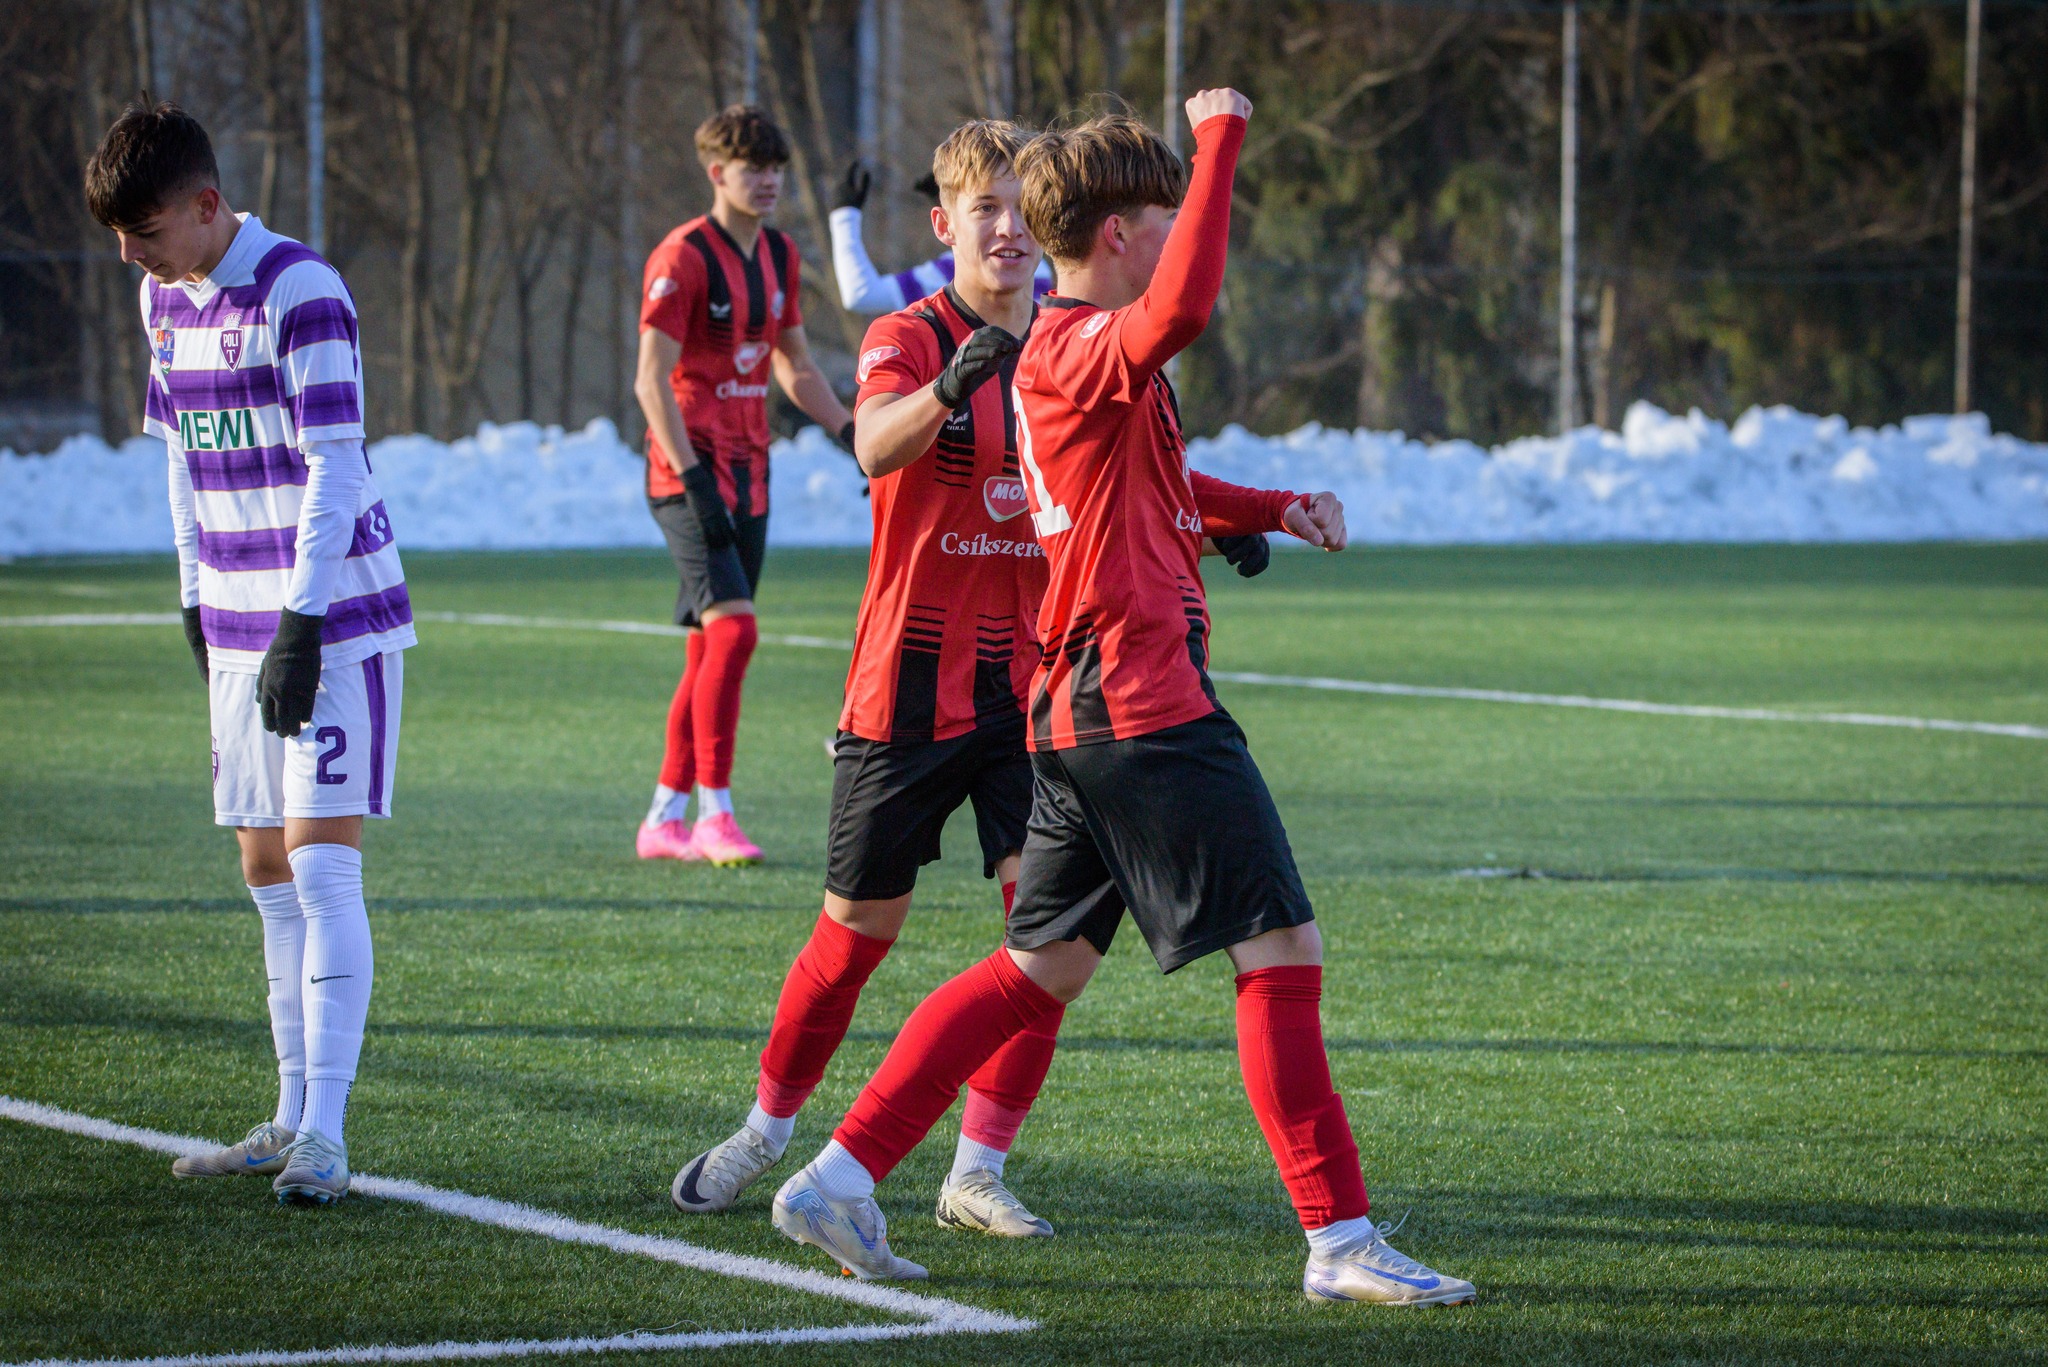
<point x="249" y="370"/>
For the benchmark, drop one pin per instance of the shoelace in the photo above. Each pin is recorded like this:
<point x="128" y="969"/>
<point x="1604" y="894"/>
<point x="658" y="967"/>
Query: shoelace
<point x="726" y="1165"/>
<point x="990" y="1187"/>
<point x="262" y="1136"/>
<point x="312" y="1150"/>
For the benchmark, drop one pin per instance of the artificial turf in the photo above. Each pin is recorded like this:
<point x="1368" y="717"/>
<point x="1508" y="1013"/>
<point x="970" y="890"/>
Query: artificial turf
<point x="1757" y="1072"/>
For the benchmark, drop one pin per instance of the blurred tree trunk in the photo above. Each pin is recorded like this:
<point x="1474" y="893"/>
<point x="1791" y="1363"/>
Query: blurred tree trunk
<point x="1379" y="373"/>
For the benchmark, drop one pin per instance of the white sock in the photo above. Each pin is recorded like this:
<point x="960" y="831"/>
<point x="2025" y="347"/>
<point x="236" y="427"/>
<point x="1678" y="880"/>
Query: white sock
<point x="839" y="1175"/>
<point x="668" y="804"/>
<point x="713" y="802"/>
<point x="339" y="970"/>
<point x="327" y="1105"/>
<point x="1340" y="1236"/>
<point x="974" y="1156"/>
<point x="776" y="1129"/>
<point x="284" y="953"/>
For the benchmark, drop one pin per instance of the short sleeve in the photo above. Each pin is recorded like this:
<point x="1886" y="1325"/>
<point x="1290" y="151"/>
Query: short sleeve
<point x="672" y="291"/>
<point x="1085" y="362"/>
<point x="159" y="417"/>
<point x="899" y="355"/>
<point x="319" y="367"/>
<point x="793" y="289"/>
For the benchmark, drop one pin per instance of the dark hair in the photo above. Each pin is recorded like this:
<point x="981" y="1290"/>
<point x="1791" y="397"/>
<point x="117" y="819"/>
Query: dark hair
<point x="152" y="154"/>
<point x="1074" y="178"/>
<point x="742" y="132"/>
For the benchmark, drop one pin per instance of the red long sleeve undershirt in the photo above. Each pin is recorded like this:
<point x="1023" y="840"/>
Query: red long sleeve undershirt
<point x="1176" y="305"/>
<point x="1234" y="510"/>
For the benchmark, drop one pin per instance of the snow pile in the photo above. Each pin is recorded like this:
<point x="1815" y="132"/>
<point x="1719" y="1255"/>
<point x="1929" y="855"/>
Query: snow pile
<point x="1776" y="475"/>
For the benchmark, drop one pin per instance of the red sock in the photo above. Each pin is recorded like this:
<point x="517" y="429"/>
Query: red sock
<point x="1287" y="1077"/>
<point x="1000" y="1093"/>
<point x="952" y="1033"/>
<point x="811" y="1017"/>
<point x="728" y="645"/>
<point x="679" y="756"/>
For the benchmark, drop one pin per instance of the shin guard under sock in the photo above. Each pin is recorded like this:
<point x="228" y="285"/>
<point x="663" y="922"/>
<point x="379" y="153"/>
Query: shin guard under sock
<point x="953" y="1032"/>
<point x="679" y="754"/>
<point x="1287" y="1078"/>
<point x="339" y="968"/>
<point x="715" y="709"/>
<point x="284" y="957"/>
<point x="813" y="1012"/>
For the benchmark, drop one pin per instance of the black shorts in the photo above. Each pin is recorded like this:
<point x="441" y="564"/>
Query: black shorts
<point x="890" y="800"/>
<point x="1176" y="827"/>
<point x="709" y="576"/>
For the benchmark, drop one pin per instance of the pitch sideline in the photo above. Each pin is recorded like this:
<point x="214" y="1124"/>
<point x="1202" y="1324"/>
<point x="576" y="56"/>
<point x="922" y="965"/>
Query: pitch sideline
<point x="2019" y="730"/>
<point x="933" y="1315"/>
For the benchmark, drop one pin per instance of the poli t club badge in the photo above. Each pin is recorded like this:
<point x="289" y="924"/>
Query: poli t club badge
<point x="231" y="341"/>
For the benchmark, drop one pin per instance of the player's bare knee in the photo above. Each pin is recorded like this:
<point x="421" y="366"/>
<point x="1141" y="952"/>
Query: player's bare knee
<point x="263" y="858"/>
<point x="1284" y="947"/>
<point x="730" y="607"/>
<point x="880" y="919"/>
<point x="1062" y="968"/>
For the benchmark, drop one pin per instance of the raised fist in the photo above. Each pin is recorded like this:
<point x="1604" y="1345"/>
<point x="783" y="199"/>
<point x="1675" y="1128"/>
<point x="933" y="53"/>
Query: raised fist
<point x="1204" y="105"/>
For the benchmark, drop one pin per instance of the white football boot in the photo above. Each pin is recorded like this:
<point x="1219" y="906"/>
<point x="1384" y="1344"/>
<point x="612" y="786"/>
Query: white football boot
<point x="1373" y="1270"/>
<point x="852" y="1233"/>
<point x="714" y="1179"/>
<point x="261" y="1152"/>
<point x="979" y="1201"/>
<point x="315" y="1171"/>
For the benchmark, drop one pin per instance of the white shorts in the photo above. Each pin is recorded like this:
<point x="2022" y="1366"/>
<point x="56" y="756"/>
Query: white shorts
<point x="342" y="763"/>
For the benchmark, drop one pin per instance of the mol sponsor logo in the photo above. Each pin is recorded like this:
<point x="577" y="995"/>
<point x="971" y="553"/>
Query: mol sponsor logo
<point x="747" y="355"/>
<point x="232" y="430"/>
<point x="1003" y="496"/>
<point x="870" y="359"/>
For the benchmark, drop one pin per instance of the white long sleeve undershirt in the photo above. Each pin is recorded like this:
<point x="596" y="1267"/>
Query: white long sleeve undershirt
<point x="335" y="471"/>
<point x="184" y="524"/>
<point x="862" y="289"/>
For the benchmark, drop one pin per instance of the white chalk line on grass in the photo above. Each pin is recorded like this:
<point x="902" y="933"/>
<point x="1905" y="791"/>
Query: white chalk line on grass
<point x="935" y="1314"/>
<point x="2020" y="730"/>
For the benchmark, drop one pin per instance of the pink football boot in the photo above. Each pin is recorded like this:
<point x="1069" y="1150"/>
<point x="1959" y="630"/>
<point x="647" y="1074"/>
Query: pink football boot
<point x="720" y="840"/>
<point x="667" y="840"/>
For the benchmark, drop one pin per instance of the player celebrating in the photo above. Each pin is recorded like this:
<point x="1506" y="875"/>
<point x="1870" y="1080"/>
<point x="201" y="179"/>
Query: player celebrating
<point x="934" y="713"/>
<point x="294" y="601"/>
<point x="1147" y="799"/>
<point x="862" y="288"/>
<point x="720" y="297"/>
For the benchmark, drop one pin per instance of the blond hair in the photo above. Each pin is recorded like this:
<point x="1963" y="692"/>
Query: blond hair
<point x="977" y="153"/>
<point x="1074" y="178"/>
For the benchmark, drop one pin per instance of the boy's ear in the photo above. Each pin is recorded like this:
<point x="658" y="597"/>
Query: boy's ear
<point x="942" y="224"/>
<point x="1111" y="234"/>
<point x="209" y="204"/>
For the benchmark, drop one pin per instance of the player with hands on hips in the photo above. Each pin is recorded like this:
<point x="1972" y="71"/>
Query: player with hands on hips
<point x="293" y="601"/>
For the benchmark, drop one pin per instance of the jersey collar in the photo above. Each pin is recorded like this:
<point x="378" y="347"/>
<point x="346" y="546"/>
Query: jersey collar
<point x="975" y="320"/>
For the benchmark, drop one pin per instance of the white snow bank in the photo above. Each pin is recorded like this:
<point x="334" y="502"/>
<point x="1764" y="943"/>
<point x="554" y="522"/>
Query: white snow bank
<point x="1777" y="475"/>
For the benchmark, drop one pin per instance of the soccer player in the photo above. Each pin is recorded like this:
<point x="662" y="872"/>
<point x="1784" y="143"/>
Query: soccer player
<point x="862" y="288"/>
<point x="1147" y="799"/>
<point x="934" y="713"/>
<point x="294" y="601"/>
<point x="720" y="298"/>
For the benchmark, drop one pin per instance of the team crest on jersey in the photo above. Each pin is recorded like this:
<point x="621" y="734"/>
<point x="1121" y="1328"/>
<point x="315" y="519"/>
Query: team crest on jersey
<point x="165" y="342"/>
<point x="747" y="355"/>
<point x="1003" y="496"/>
<point x="231" y="341"/>
<point x="870" y="359"/>
<point x="775" y="307"/>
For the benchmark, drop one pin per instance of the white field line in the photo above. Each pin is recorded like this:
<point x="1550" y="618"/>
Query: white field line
<point x="2020" y="730"/>
<point x="935" y="1314"/>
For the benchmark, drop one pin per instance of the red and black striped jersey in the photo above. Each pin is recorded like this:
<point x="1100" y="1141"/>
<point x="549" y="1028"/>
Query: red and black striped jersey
<point x="728" y="310"/>
<point x="947" y="640"/>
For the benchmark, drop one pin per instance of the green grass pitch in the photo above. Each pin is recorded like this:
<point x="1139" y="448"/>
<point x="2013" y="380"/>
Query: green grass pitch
<point x="1761" y="1074"/>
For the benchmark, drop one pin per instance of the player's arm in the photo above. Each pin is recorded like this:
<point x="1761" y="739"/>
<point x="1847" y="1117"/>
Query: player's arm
<point x="185" y="534"/>
<point x="862" y="289"/>
<point x="895" y="429"/>
<point x="659" y="354"/>
<point x="806" y="385"/>
<point x="1176" y="305"/>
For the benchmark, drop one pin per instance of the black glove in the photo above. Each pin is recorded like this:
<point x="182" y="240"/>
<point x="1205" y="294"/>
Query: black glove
<point x="845" y="437"/>
<point x="927" y="185"/>
<point x="979" y="357"/>
<point x="195" y="636"/>
<point x="701" y="484"/>
<point x="853" y="191"/>
<point x="291" y="673"/>
<point x="1249" y="555"/>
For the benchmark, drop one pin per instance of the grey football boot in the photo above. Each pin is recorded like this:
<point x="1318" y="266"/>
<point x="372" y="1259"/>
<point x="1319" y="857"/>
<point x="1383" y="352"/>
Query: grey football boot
<point x="261" y="1152"/>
